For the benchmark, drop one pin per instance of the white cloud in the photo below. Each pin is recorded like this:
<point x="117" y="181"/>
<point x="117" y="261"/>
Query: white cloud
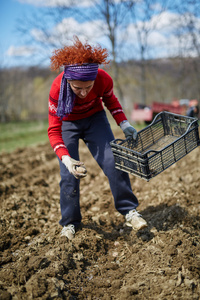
<point x="63" y="32"/>
<point x="54" y="3"/>
<point x="166" y="21"/>
<point x="156" y="6"/>
<point x="157" y="38"/>
<point x="20" y="51"/>
<point x="162" y="39"/>
<point x="170" y="37"/>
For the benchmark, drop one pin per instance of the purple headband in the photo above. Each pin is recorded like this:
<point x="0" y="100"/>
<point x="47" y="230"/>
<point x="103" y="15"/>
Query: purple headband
<point x="66" y="98"/>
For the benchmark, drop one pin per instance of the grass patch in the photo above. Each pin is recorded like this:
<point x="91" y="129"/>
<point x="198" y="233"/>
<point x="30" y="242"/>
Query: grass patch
<point x="28" y="133"/>
<point x="22" y="134"/>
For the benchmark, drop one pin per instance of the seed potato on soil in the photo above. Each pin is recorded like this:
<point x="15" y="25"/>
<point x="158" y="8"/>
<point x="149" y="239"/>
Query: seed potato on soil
<point x="105" y="260"/>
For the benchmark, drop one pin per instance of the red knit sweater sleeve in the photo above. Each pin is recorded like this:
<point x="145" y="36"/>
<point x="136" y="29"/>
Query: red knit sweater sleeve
<point x="54" y="129"/>
<point x="110" y="100"/>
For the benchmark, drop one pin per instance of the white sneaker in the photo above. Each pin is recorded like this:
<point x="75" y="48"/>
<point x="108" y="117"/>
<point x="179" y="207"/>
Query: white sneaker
<point x="68" y="231"/>
<point x="134" y="220"/>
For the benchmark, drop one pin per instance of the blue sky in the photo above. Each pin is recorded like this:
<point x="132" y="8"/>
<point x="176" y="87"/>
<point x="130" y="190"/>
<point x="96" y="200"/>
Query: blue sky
<point x="10" y="40"/>
<point x="10" y="11"/>
<point x="15" y="52"/>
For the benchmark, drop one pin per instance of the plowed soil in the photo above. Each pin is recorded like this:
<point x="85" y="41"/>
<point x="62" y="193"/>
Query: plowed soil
<point x="105" y="260"/>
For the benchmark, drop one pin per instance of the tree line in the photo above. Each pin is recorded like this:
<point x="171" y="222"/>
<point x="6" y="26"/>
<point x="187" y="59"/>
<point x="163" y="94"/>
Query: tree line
<point x="24" y="91"/>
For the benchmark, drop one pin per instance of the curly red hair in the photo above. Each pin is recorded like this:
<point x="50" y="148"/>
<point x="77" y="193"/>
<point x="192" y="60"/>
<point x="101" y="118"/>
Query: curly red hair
<point x="78" y="53"/>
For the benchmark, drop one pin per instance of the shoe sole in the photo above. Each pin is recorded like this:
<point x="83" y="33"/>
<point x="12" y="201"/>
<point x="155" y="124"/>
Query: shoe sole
<point x="136" y="228"/>
<point x="68" y="237"/>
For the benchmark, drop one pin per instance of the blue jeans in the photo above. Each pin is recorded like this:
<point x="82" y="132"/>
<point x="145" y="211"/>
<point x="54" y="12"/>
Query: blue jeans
<point x="95" y="131"/>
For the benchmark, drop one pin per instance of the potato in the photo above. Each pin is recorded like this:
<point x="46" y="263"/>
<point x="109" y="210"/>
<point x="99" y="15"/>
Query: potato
<point x="81" y="169"/>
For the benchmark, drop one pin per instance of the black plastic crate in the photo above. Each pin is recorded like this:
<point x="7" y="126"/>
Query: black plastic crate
<point x="166" y="140"/>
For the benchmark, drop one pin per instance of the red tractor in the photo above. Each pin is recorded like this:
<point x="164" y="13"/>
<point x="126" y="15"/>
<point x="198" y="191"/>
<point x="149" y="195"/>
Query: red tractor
<point x="147" y="113"/>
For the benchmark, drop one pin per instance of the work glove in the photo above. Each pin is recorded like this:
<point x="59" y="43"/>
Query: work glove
<point x="76" y="168"/>
<point x="129" y="131"/>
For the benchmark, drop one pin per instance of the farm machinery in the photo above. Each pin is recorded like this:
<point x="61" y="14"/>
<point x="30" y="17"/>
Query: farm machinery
<point x="147" y="113"/>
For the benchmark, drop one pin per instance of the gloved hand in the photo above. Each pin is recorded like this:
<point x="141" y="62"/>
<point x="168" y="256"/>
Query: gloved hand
<point x="129" y="131"/>
<point x="75" y="167"/>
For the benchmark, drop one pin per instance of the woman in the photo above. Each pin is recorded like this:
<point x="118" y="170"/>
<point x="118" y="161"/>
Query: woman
<point x="76" y="112"/>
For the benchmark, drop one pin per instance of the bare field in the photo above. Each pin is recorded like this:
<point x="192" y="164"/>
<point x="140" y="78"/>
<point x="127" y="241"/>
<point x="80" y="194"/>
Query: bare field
<point x="105" y="260"/>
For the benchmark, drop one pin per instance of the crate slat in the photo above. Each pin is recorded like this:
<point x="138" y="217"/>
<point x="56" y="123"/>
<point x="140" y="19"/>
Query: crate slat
<point x="166" y="140"/>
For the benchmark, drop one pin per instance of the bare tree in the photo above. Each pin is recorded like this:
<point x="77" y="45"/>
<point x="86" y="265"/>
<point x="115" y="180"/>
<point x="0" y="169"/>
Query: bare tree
<point x="142" y="14"/>
<point x="116" y="17"/>
<point x="113" y="13"/>
<point x="188" y="35"/>
<point x="4" y="94"/>
<point x="35" y="30"/>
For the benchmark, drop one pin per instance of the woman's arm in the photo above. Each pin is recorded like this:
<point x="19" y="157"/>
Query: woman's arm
<point x="55" y="124"/>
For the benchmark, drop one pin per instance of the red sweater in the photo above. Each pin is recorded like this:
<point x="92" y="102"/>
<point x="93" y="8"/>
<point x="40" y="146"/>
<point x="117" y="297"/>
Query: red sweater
<point x="83" y="108"/>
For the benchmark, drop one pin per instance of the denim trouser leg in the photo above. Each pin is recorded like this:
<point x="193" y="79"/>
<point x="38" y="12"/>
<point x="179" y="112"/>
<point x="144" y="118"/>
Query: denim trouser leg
<point x="97" y="134"/>
<point x="69" y="185"/>
<point x="98" y="141"/>
<point x="69" y="198"/>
